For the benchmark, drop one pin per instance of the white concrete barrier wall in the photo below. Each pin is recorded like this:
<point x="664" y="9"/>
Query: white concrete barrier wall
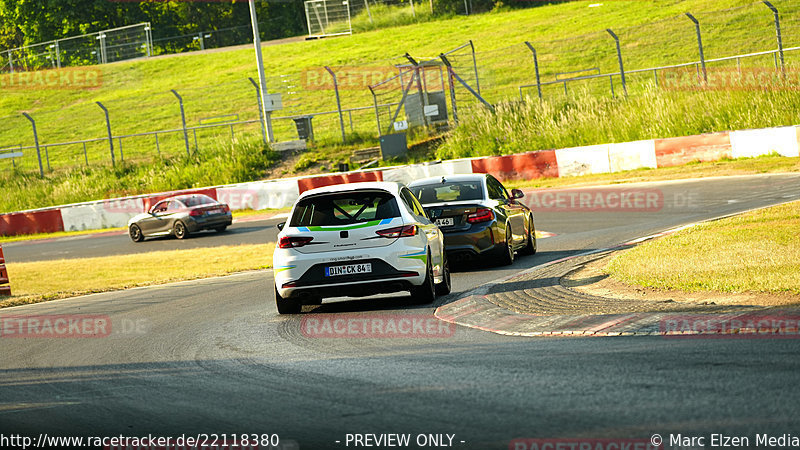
<point x="260" y="194"/>
<point x="632" y="155"/>
<point x="583" y="160"/>
<point x="749" y="143"/>
<point x="101" y="214"/>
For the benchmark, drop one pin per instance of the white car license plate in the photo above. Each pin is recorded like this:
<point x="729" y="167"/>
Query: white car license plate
<point x="349" y="269"/>
<point x="445" y="222"/>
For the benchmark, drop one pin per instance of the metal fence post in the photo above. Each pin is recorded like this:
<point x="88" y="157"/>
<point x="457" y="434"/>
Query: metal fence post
<point x="108" y="128"/>
<point x="619" y="58"/>
<point x="148" y="40"/>
<point x="260" y="110"/>
<point x="611" y="82"/>
<point x="338" y="102"/>
<point x="183" y="121"/>
<point x="777" y="33"/>
<point x="102" y="38"/>
<point x="475" y="67"/>
<point x="36" y="143"/>
<point x="58" y="55"/>
<point x="422" y="94"/>
<point x="536" y="68"/>
<point x="699" y="45"/>
<point x="11" y="61"/>
<point x="85" y="155"/>
<point x="366" y="5"/>
<point x="452" y="93"/>
<point x="377" y="113"/>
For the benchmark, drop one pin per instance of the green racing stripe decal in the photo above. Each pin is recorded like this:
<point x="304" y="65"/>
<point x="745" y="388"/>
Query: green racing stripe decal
<point x="371" y="223"/>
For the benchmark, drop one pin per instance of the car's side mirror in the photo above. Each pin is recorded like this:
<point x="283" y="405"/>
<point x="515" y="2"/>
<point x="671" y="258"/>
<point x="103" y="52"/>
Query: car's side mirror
<point x="281" y="225"/>
<point x="516" y="193"/>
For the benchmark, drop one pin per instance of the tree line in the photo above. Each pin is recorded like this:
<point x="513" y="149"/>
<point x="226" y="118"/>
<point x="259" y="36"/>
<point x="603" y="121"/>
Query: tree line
<point x="26" y="22"/>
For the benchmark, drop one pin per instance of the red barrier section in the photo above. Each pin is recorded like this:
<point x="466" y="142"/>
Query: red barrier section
<point x="150" y="201"/>
<point x="524" y="166"/>
<point x="306" y="184"/>
<point x="681" y="150"/>
<point x="48" y="221"/>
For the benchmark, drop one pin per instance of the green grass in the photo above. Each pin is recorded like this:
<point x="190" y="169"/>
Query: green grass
<point x="385" y="16"/>
<point x="215" y="84"/>
<point x="517" y="127"/>
<point x="755" y="252"/>
<point x="34" y="282"/>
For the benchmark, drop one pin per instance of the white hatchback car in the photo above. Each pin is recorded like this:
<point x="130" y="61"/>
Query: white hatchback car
<point x="357" y="240"/>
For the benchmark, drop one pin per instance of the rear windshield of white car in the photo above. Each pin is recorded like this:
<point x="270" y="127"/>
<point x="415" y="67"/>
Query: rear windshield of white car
<point x="197" y="200"/>
<point x="448" y="191"/>
<point x="344" y="208"/>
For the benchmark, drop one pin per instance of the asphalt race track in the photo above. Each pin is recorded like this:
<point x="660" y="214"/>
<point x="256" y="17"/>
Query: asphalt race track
<point x="213" y="356"/>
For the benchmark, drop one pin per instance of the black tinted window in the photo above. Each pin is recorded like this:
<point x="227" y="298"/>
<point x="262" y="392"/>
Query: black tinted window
<point x="413" y="205"/>
<point x="197" y="200"/>
<point x="344" y="208"/>
<point x="496" y="190"/>
<point x="448" y="192"/>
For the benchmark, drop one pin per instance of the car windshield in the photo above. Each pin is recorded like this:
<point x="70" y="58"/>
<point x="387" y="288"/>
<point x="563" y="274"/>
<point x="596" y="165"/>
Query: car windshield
<point x="197" y="200"/>
<point x="344" y="208"/>
<point x="448" y="191"/>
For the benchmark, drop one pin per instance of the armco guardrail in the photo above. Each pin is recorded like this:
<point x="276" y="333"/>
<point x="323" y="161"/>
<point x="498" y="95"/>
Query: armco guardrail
<point x="5" y="289"/>
<point x="602" y="158"/>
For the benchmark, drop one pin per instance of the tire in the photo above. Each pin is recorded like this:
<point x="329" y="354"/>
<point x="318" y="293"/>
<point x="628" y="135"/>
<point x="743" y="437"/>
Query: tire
<point x="221" y="229"/>
<point x="135" y="233"/>
<point x="444" y="287"/>
<point x="507" y="250"/>
<point x="530" y="247"/>
<point x="425" y="293"/>
<point x="179" y="230"/>
<point x="286" y="305"/>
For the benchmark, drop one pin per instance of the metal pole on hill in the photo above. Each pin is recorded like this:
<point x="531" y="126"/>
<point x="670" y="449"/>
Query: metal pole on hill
<point x="699" y="45"/>
<point x="183" y="121"/>
<point x="110" y="136"/>
<point x="262" y="79"/>
<point x="36" y="143"/>
<point x="777" y="33"/>
<point x="619" y="59"/>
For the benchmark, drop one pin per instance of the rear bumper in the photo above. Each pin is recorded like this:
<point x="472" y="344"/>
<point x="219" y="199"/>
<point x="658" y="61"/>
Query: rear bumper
<point x="352" y="290"/>
<point x="396" y="267"/>
<point x="207" y="223"/>
<point x="471" y="244"/>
